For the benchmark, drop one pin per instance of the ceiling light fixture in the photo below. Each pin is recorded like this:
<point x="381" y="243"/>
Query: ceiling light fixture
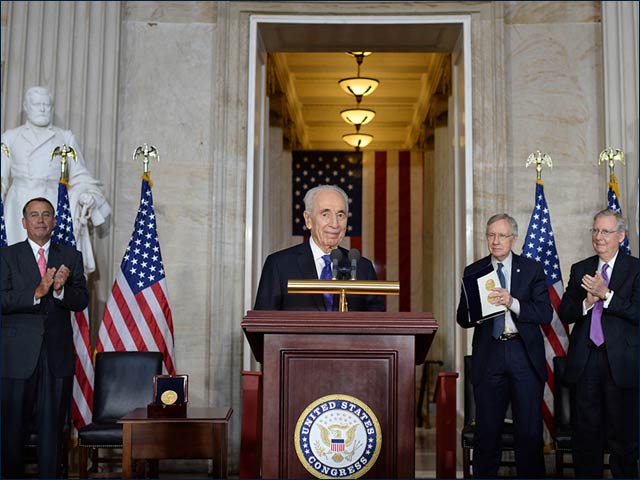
<point x="357" y="140"/>
<point x="359" y="86"/>
<point x="357" y="116"/>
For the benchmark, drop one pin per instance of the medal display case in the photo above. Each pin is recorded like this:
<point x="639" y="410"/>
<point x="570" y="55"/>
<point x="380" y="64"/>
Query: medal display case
<point x="170" y="396"/>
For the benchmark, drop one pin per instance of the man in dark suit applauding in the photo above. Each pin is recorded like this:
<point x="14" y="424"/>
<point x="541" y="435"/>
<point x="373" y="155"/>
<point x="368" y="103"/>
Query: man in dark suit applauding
<point x="602" y="301"/>
<point x="325" y="215"/>
<point x="42" y="282"/>
<point x="508" y="355"/>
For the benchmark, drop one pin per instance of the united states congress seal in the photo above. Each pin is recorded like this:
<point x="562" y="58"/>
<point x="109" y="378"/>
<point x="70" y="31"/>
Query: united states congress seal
<point x="338" y="436"/>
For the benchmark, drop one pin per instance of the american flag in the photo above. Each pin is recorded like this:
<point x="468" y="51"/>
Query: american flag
<point x="313" y="168"/>
<point x="391" y="198"/>
<point x="82" y="401"/>
<point x="137" y="316"/>
<point x="612" y="198"/>
<point x="540" y="246"/>
<point x="3" y="231"/>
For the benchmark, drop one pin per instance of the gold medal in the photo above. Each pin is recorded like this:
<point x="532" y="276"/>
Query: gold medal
<point x="490" y="285"/>
<point x="168" y="397"/>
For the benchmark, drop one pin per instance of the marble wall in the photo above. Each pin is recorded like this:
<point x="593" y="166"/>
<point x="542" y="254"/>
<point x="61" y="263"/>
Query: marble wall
<point x="181" y="84"/>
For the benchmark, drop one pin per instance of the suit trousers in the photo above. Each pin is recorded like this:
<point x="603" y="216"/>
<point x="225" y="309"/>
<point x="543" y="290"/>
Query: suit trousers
<point x="43" y="401"/>
<point x="603" y="416"/>
<point x="509" y="377"/>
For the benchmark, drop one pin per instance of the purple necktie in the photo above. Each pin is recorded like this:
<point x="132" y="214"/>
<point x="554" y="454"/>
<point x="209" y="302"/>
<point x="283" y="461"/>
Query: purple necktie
<point x="595" y="333"/>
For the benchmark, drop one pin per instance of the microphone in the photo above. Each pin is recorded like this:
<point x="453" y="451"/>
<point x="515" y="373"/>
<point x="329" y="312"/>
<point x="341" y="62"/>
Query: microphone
<point x="336" y="256"/>
<point x="354" y="256"/>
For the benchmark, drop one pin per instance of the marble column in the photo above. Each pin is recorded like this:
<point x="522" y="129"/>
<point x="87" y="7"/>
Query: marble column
<point x="72" y="48"/>
<point x="620" y="49"/>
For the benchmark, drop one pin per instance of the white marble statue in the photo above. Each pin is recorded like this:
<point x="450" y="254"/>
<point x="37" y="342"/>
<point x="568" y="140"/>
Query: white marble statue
<point x="28" y="171"/>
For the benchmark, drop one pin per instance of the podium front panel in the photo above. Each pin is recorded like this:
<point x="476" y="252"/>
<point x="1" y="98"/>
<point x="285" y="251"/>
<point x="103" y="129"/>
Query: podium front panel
<point x="378" y="370"/>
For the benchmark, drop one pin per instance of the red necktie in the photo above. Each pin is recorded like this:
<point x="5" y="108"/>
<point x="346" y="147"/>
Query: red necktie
<point x="42" y="262"/>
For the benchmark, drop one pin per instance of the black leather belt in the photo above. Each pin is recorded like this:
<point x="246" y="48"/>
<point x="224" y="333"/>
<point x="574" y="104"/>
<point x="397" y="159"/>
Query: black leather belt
<point x="505" y="337"/>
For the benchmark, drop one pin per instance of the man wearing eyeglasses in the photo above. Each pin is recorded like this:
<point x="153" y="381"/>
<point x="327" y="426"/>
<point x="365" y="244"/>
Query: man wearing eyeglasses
<point x="602" y="301"/>
<point x="508" y="355"/>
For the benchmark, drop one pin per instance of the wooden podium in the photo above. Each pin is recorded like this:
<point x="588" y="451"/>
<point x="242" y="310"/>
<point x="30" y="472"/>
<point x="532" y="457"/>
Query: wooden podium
<point x="368" y="356"/>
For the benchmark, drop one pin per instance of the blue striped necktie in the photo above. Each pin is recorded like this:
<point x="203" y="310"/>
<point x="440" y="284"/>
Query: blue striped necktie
<point x="498" y="321"/>
<point x="326" y="275"/>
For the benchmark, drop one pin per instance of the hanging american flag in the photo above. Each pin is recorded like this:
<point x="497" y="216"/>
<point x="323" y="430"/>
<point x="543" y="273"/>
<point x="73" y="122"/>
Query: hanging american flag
<point x="137" y="316"/>
<point x="313" y="168"/>
<point x="82" y="400"/>
<point x="385" y="212"/>
<point x="612" y="198"/>
<point x="3" y="231"/>
<point x="540" y="246"/>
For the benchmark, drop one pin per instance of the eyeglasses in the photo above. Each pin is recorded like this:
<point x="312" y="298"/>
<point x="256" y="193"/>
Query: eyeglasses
<point x="605" y="233"/>
<point x="500" y="236"/>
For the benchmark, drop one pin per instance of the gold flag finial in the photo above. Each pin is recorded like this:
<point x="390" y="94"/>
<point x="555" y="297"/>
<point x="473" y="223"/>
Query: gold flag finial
<point x="611" y="155"/>
<point x="146" y="151"/>
<point x="63" y="152"/>
<point x="539" y="158"/>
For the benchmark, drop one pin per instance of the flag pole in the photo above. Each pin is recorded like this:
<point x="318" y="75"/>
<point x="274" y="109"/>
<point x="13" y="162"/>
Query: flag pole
<point x="538" y="158"/>
<point x="610" y="156"/>
<point x="63" y="152"/>
<point x="146" y="152"/>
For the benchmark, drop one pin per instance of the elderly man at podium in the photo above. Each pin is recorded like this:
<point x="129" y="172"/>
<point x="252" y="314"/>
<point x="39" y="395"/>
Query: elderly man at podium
<point x="29" y="171"/>
<point x="325" y="215"/>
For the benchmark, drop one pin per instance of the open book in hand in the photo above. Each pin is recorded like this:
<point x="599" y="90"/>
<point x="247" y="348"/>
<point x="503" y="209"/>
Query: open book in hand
<point x="477" y="288"/>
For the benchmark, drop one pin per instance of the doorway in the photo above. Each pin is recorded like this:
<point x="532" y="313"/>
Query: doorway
<point x="392" y="33"/>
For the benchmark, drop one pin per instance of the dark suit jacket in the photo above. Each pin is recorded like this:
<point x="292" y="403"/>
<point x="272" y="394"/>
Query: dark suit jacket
<point x="25" y="326"/>
<point x="619" y="320"/>
<point x="296" y="263"/>
<point x="529" y="287"/>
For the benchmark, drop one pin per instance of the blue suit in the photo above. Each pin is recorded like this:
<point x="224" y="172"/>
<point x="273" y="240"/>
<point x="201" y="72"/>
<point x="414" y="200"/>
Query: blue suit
<point x="512" y="371"/>
<point x="605" y="379"/>
<point x="296" y="263"/>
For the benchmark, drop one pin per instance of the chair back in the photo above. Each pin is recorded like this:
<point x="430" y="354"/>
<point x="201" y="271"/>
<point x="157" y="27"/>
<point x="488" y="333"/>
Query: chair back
<point x="561" y="394"/>
<point x="123" y="382"/>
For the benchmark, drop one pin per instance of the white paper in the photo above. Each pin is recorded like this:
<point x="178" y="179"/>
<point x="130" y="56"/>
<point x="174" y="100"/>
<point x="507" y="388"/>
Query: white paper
<point x="485" y="284"/>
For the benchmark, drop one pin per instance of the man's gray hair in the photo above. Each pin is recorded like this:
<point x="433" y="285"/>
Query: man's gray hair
<point x="504" y="216"/>
<point x="310" y="195"/>
<point x="37" y="91"/>
<point x="621" y="222"/>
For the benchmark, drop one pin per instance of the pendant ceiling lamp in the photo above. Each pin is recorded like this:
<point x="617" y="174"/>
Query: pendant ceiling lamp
<point x="359" y="86"/>
<point x="357" y="140"/>
<point x="357" y="116"/>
